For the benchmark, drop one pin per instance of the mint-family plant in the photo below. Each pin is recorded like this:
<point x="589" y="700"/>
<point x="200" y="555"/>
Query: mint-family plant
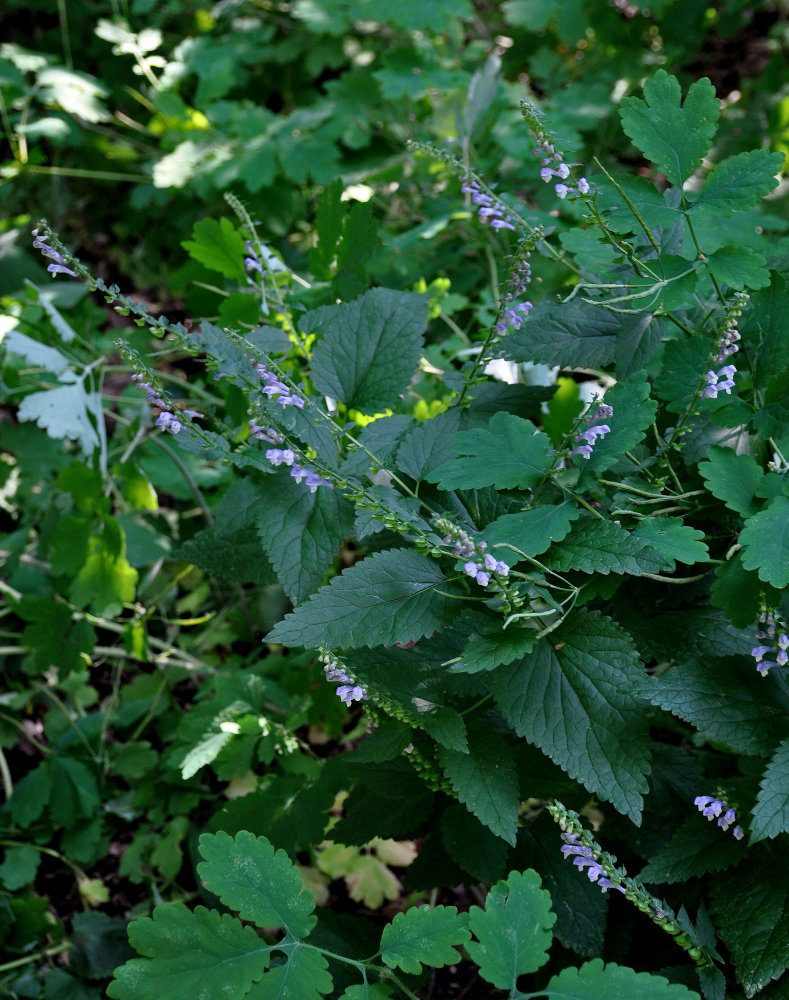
<point x="566" y="620"/>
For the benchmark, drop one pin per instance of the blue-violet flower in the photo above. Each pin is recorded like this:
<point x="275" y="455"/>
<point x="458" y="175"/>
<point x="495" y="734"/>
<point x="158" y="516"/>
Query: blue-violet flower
<point x="713" y="808"/>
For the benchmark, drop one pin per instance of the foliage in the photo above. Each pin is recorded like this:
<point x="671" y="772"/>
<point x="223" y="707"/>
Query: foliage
<point x="540" y="547"/>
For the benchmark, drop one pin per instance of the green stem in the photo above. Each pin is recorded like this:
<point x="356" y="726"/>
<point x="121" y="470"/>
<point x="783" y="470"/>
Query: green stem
<point x="50" y="952"/>
<point x="5" y="774"/>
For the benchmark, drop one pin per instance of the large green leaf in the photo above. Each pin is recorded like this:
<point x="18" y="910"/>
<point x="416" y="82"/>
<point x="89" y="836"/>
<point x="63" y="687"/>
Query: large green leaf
<point x="739" y="267"/>
<point x="684" y="365"/>
<point x="424" y="935"/>
<point x="634" y="412"/>
<point x="765" y="542"/>
<point x="389" y="597"/>
<point x="472" y="845"/>
<point x="733" y="479"/>
<point x="600" y="546"/>
<point x="485" y="781"/>
<point x="771" y="812"/>
<point x="105" y="581"/>
<point x="219" y="246"/>
<point x="531" y="531"/>
<point x="575" y="333"/>
<point x="674" y="137"/>
<point x="750" y="904"/>
<point x="305" y="976"/>
<point x="262" y="885"/>
<point x="727" y="702"/>
<point x="578" y="698"/>
<point x="493" y="647"/>
<point x="513" y="931"/>
<point x="302" y="531"/>
<point x="738" y="183"/>
<point x="509" y="453"/>
<point x="615" y="982"/>
<point x="75" y="792"/>
<point x="201" y="955"/>
<point x="672" y="540"/>
<point x="428" y="444"/>
<point x="368" y="349"/>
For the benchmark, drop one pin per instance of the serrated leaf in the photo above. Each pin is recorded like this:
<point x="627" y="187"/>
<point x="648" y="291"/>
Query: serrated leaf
<point x="302" y="531"/>
<point x="105" y="581"/>
<point x="19" y="866"/>
<point x="261" y="884"/>
<point x="578" y="698"/>
<point x="391" y="801"/>
<point x="495" y="647"/>
<point x="368" y="991"/>
<point x="385" y="742"/>
<point x="673" y="137"/>
<point x="390" y="597"/>
<point x="513" y="931"/>
<point x="75" y="793"/>
<point x="219" y="246"/>
<point x="485" y="781"/>
<point x="305" y="976"/>
<point x="637" y="342"/>
<point x="472" y="845"/>
<point x="368" y="349"/>
<point x="531" y="532"/>
<point x="739" y="267"/>
<point x="423" y="935"/>
<point x="771" y="812"/>
<point x="751" y="909"/>
<point x="672" y="540"/>
<point x="738" y="183"/>
<point x="737" y="591"/>
<point x="765" y="542"/>
<point x="428" y="445"/>
<point x="634" y="413"/>
<point x="732" y="478"/>
<point x="30" y="796"/>
<point x="206" y="954"/>
<point x="509" y="453"/>
<point x="64" y="412"/>
<point x="594" y="980"/>
<point x="570" y="334"/>
<point x="224" y="349"/>
<point x="599" y="546"/>
<point x="684" y="365"/>
<point x="696" y="848"/>
<point x="731" y="704"/>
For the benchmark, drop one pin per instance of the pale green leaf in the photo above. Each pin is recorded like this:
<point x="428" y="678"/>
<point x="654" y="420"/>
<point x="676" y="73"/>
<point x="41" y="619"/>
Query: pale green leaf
<point x="260" y="884"/>
<point x="739" y="267"/>
<point x="423" y="935"/>
<point x="64" y="412"/>
<point x="513" y="931"/>
<point x="218" y="245"/>
<point x="732" y="478"/>
<point x="36" y="353"/>
<point x="738" y="183"/>
<point x="614" y="982"/>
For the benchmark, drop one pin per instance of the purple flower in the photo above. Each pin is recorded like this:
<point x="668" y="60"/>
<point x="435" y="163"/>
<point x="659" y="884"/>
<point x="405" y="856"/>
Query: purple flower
<point x="348" y="693"/>
<point x="779" y="647"/>
<point x="713" y="808"/>
<point x="274" y="388"/>
<point x="585" y="440"/>
<point x="494" y="212"/>
<point x="264" y="433"/>
<point x="562" y="190"/>
<point x="583" y="185"/>
<point x="583" y="857"/>
<point x="60" y="269"/>
<point x="722" y="381"/>
<point x="280" y="456"/>
<point x="168" y="421"/>
<point x="59" y="265"/>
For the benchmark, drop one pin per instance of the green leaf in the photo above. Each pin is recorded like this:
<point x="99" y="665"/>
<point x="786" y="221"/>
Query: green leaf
<point x="302" y="531"/>
<point x="750" y="905"/>
<point x="771" y="812"/>
<point x="765" y="542"/>
<point x="637" y="343"/>
<point x="64" y="412"/>
<point x="30" y="796"/>
<point x="738" y="183"/>
<point x="305" y="976"/>
<point x="423" y="935"/>
<point x="600" y="546"/>
<point x="578" y="698"/>
<point x="390" y="597"/>
<point x="390" y="801"/>
<point x="219" y="246"/>
<point x="594" y="980"/>
<point x="75" y="793"/>
<point x="513" y="931"/>
<point x="739" y="267"/>
<point x="493" y="647"/>
<point x="509" y="453"/>
<point x="728" y="704"/>
<point x="634" y="413"/>
<point x="473" y="846"/>
<point x="368" y="991"/>
<point x="202" y="953"/>
<point x="531" y="531"/>
<point x="485" y="781"/>
<point x="368" y="350"/>
<point x="570" y="334"/>
<point x="428" y="444"/>
<point x="105" y="581"/>
<point x="672" y="540"/>
<point x="684" y="365"/>
<point x="225" y="350"/>
<point x="732" y="478"/>
<point x="260" y="884"/>
<point x="737" y="591"/>
<point x="19" y="866"/>
<point x="673" y="137"/>
<point x="696" y="848"/>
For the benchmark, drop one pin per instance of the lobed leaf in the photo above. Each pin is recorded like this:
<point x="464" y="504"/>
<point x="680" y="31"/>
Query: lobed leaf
<point x="771" y="812"/>
<point x="305" y="976"/>
<point x="739" y="183"/>
<point x="595" y="980"/>
<point x="600" y="546"/>
<point x="513" y="932"/>
<point x="732" y="478"/>
<point x="765" y="542"/>
<point x="672" y="540"/>
<point x="531" y="532"/>
<point x="424" y="935"/>
<point x="261" y="884"/>
<point x="219" y="246"/>
<point x="696" y="848"/>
